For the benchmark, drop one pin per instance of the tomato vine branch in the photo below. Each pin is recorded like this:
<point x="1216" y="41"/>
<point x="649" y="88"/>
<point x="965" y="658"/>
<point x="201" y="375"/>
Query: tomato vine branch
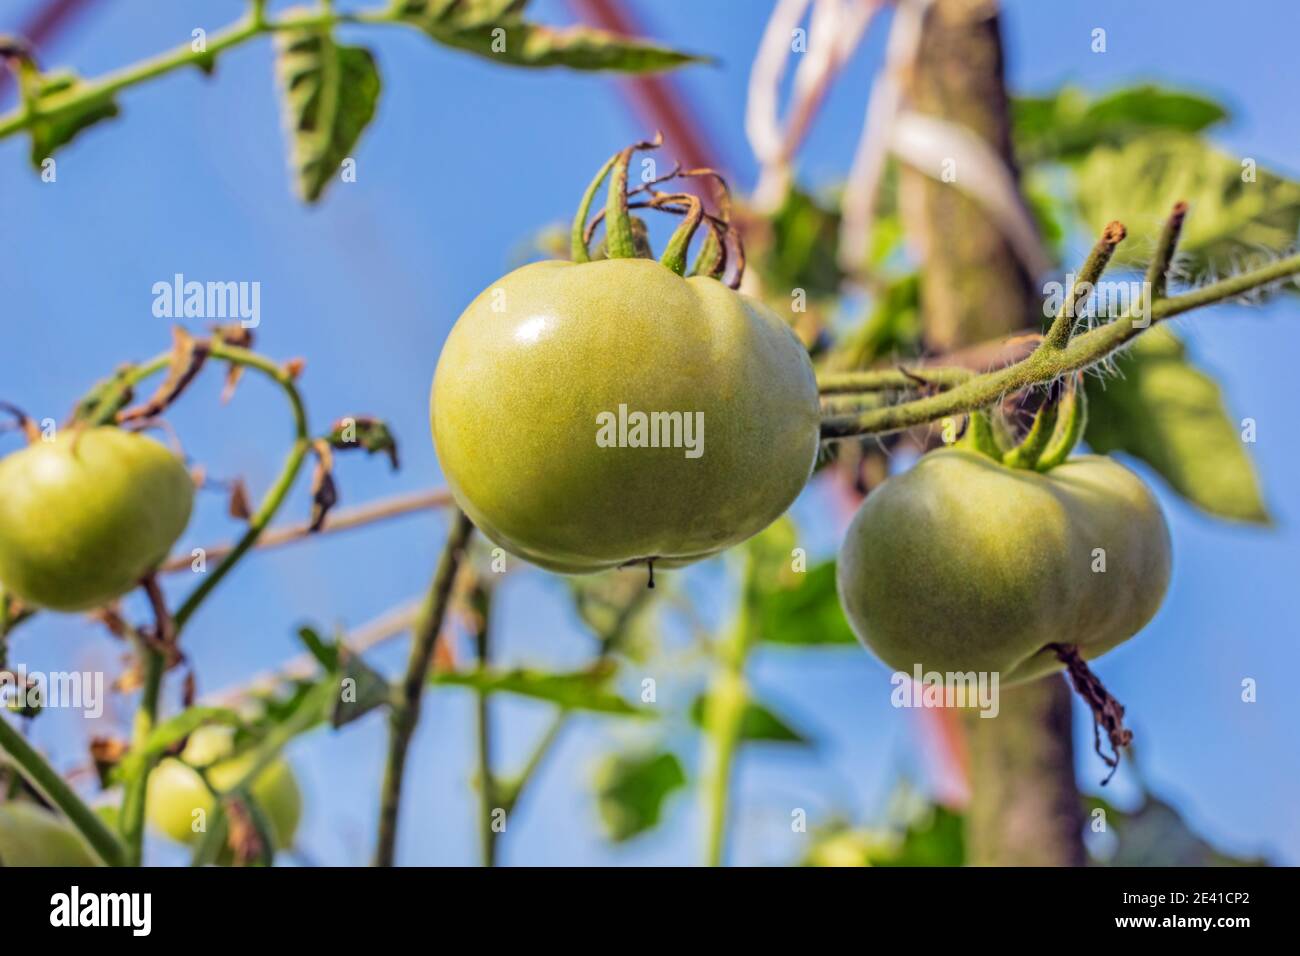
<point x="1046" y="364"/>
<point x="404" y="714"/>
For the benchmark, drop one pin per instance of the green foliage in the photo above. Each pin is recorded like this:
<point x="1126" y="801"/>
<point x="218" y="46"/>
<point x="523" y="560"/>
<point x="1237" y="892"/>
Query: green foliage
<point x="759" y="724"/>
<point x="893" y="326"/>
<point x="580" y="690"/>
<point x="803" y="609"/>
<point x="803" y="250"/>
<point x="329" y="96"/>
<point x="1166" y="412"/>
<point x="169" y="734"/>
<point x="631" y="790"/>
<point x="1233" y="223"/>
<point x="496" y="30"/>
<point x="931" y="835"/>
<point x="1069" y="124"/>
<point x="1155" y="834"/>
<point x="56" y="125"/>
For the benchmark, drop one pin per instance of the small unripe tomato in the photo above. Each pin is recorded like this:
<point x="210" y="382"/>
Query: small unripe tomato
<point x="963" y="564"/>
<point x="85" y="516"/>
<point x="533" y="407"/>
<point x="176" y="790"/>
<point x="32" y="836"/>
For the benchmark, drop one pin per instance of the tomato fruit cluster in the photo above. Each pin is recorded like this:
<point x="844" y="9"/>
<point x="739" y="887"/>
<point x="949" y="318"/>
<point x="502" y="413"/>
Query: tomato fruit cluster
<point x="176" y="790"/>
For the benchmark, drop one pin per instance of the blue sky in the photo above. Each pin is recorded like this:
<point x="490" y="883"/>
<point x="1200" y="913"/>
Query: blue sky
<point x="464" y="162"/>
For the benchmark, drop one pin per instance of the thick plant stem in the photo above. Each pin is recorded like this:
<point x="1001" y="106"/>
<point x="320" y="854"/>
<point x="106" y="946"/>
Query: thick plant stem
<point x="1017" y="818"/>
<point x="487" y="783"/>
<point x="884" y="380"/>
<point x="404" y="714"/>
<point x="44" y="778"/>
<point x="724" y="715"/>
<point x="146" y="718"/>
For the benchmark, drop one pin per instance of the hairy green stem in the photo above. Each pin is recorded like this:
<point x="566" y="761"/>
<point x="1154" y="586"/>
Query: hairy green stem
<point x="885" y="380"/>
<point x="404" y="713"/>
<point x="1059" y="332"/>
<point x="1043" y="365"/>
<point x="1157" y="276"/>
<point x="38" y="772"/>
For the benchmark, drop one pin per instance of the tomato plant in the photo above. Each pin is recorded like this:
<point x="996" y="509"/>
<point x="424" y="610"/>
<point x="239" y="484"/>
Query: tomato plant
<point x="895" y="411"/>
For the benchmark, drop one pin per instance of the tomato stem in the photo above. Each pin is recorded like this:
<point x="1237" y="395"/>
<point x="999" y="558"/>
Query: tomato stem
<point x="578" y="251"/>
<point x="619" y="241"/>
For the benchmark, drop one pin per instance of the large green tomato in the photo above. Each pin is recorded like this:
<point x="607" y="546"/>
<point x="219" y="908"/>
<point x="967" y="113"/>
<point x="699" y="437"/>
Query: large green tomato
<point x="534" y="409"/>
<point x="32" y="836"/>
<point x="962" y="564"/>
<point x="176" y="790"/>
<point x="85" y="516"/>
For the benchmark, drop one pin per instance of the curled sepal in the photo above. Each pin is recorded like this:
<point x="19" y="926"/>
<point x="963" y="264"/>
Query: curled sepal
<point x="711" y="260"/>
<point x="578" y="234"/>
<point x="679" y="243"/>
<point x="1071" y="420"/>
<point x="979" y="436"/>
<point x="619" y="243"/>
<point x="1029" y="451"/>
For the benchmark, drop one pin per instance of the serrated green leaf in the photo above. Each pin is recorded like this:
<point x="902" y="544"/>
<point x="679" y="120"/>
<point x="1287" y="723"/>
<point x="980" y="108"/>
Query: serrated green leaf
<point x="1068" y="124"/>
<point x="758" y="725"/>
<point x="516" y="42"/>
<point x="55" y="125"/>
<point x="580" y="690"/>
<point x="631" y="790"/>
<point x="1232" y="224"/>
<point x="1169" y="414"/>
<point x="803" y="609"/>
<point x="329" y="94"/>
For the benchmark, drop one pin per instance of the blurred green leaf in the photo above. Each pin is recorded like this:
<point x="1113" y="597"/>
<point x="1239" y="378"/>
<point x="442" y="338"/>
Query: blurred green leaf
<point x="1232" y="224"/>
<point x="325" y="652"/>
<point x="1169" y="414"/>
<point x="803" y="609"/>
<point x="1069" y="124"/>
<point x="360" y="689"/>
<point x="631" y="790"/>
<point x="892" y="327"/>
<point x="329" y="94"/>
<point x="1157" y="835"/>
<point x="56" y="126"/>
<point x="803" y="248"/>
<point x="758" y="725"/>
<point x="496" y="30"/>
<point x="933" y="836"/>
<point x="582" y="690"/>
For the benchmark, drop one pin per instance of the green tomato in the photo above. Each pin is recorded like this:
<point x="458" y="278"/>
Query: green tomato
<point x="32" y="836"/>
<point x="176" y="790"/>
<point x="84" y="517"/>
<point x="962" y="564"/>
<point x="526" y="402"/>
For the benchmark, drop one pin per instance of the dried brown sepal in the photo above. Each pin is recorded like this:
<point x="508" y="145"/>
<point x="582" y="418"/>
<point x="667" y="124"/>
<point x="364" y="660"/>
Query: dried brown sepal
<point x="242" y="838"/>
<point x="238" y="506"/>
<point x="106" y="753"/>
<point x="324" y="493"/>
<point x="23" y="422"/>
<point x="188" y="356"/>
<point x="1107" y="712"/>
